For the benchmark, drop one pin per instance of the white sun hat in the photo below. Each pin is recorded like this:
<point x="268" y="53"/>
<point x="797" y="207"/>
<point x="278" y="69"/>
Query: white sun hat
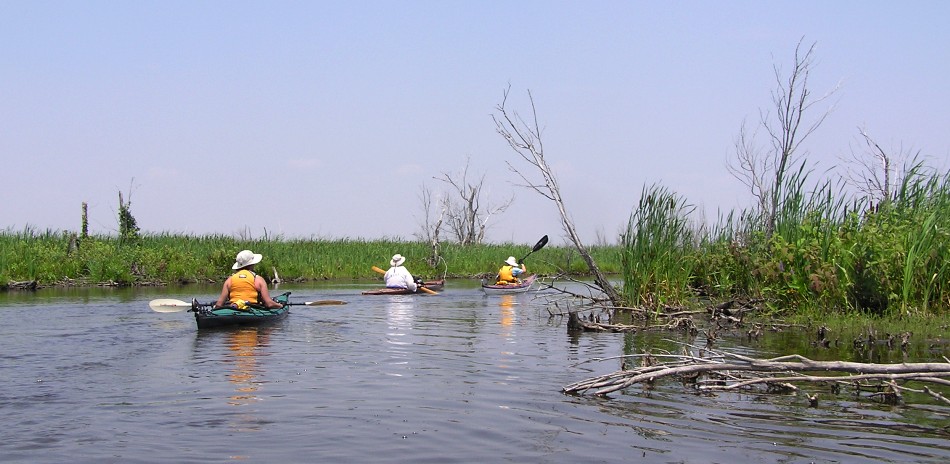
<point x="397" y="260"/>
<point x="511" y="261"/>
<point x="246" y="258"/>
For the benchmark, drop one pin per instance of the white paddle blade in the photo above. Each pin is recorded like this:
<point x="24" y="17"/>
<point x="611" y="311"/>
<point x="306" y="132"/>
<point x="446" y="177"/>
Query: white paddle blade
<point x="325" y="303"/>
<point x="168" y="305"/>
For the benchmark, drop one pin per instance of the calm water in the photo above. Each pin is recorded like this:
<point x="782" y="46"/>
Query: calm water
<point x="95" y="376"/>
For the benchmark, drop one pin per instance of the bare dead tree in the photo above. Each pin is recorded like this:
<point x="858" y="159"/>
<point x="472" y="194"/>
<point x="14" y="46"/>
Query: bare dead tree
<point x="750" y="167"/>
<point x="788" y="124"/>
<point x="873" y="171"/>
<point x="430" y="227"/>
<point x="525" y="139"/>
<point x="467" y="214"/>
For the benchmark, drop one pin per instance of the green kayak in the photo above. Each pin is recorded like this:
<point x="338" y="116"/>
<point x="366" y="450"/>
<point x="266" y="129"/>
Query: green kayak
<point x="209" y="317"/>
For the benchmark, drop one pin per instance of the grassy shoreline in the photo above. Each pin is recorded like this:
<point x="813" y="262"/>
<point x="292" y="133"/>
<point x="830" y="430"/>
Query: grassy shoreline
<point x="818" y="256"/>
<point x="48" y="258"/>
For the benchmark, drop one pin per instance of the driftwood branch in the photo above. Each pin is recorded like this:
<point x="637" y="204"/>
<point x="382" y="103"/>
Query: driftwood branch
<point x="20" y="285"/>
<point x="722" y="371"/>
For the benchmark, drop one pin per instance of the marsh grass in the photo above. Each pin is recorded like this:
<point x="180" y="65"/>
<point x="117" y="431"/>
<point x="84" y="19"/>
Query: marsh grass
<point x="45" y="256"/>
<point x="827" y="255"/>
<point x="658" y="249"/>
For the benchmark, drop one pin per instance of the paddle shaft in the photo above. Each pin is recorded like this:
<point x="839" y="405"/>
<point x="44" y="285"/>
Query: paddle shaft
<point x="318" y="303"/>
<point x="167" y="305"/>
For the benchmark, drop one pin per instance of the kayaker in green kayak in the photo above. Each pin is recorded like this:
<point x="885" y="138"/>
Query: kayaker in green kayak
<point x="245" y="287"/>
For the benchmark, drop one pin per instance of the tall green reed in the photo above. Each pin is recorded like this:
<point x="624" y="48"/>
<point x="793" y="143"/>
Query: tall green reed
<point x="658" y="249"/>
<point x="921" y="209"/>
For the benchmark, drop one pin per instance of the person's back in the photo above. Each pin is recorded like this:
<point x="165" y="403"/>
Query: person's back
<point x="243" y="287"/>
<point x="398" y="276"/>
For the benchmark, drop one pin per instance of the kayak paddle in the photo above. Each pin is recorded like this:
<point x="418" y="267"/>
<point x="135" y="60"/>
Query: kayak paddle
<point x="537" y="246"/>
<point x="168" y="305"/>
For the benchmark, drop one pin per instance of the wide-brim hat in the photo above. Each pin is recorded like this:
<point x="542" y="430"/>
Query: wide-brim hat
<point x="246" y="258"/>
<point x="397" y="260"/>
<point x="511" y="261"/>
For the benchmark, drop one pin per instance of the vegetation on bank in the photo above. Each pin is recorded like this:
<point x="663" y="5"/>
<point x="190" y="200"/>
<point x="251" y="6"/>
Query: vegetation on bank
<point x="823" y="256"/>
<point x="53" y="257"/>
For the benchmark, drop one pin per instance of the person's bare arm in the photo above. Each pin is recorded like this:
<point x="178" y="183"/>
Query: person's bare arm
<point x="225" y="292"/>
<point x="265" y="294"/>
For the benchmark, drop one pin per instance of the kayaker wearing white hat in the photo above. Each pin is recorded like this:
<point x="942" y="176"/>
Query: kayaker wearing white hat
<point x="508" y="274"/>
<point x="398" y="276"/>
<point x="245" y="287"/>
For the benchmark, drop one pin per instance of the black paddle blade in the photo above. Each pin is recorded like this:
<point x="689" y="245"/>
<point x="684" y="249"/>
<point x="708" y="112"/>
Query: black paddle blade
<point x="537" y="246"/>
<point x="540" y="244"/>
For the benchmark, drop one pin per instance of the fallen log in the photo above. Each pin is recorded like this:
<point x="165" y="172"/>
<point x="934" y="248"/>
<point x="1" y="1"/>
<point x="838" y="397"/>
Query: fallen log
<point x="22" y="285"/>
<point x="723" y="371"/>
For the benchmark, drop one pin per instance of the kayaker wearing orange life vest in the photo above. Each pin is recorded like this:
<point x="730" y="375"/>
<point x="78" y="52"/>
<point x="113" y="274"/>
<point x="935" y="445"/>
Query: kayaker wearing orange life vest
<point x="244" y="287"/>
<point x="508" y="274"/>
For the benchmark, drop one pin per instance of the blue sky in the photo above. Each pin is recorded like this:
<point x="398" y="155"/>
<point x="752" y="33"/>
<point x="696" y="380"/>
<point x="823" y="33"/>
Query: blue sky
<point x="325" y="119"/>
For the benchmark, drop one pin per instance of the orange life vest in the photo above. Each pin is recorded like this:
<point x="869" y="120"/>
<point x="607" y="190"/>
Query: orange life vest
<point x="505" y="276"/>
<point x="242" y="287"/>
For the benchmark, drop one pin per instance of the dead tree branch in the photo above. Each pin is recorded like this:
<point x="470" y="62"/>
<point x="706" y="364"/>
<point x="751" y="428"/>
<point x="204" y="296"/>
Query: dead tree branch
<point x="468" y="217"/>
<point x="875" y="172"/>
<point x="788" y="124"/>
<point x="724" y="371"/>
<point x="525" y="139"/>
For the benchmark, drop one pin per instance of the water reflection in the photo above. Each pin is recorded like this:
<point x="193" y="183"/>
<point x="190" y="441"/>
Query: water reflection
<point x="399" y="317"/>
<point x="233" y="361"/>
<point x="244" y="345"/>
<point x="507" y="360"/>
<point x="507" y="304"/>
